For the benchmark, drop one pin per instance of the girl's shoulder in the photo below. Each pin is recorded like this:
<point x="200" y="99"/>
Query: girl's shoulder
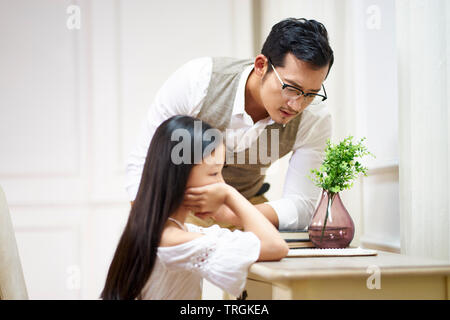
<point x="173" y="236"/>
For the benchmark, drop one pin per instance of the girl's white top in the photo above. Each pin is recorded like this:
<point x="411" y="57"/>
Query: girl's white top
<point x="220" y="256"/>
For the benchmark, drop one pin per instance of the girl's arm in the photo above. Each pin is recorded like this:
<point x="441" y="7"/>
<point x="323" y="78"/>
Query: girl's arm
<point x="210" y="197"/>
<point x="225" y="214"/>
<point x="273" y="247"/>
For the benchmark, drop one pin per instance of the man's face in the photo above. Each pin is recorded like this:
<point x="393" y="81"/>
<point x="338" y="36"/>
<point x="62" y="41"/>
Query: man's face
<point x="296" y="73"/>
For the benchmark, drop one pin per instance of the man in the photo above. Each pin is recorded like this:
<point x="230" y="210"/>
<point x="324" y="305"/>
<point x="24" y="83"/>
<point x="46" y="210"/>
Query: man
<point x="280" y="91"/>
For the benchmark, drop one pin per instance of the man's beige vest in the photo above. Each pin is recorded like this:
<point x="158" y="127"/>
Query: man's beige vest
<point x="241" y="170"/>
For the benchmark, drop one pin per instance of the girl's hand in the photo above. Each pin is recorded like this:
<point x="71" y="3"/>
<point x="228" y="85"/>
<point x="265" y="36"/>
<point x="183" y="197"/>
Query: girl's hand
<point x="206" y="199"/>
<point x="224" y="215"/>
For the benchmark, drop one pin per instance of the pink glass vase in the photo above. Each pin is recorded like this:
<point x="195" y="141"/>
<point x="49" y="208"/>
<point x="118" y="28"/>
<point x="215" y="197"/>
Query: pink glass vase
<point x="331" y="225"/>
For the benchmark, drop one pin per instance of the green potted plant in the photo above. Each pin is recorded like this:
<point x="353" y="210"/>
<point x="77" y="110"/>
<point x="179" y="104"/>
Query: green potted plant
<point x="331" y="225"/>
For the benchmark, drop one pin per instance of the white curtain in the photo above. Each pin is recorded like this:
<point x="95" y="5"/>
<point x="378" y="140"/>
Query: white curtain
<point x="423" y="30"/>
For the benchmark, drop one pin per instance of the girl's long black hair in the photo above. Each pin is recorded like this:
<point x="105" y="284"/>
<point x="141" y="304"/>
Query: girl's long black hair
<point x="160" y="193"/>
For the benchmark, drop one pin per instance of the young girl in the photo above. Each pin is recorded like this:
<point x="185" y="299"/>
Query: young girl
<point x="161" y="257"/>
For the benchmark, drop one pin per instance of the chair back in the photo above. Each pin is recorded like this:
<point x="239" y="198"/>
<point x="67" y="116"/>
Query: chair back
<point x="12" y="282"/>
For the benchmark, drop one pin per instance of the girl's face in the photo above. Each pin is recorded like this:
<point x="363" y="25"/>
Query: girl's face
<point x="209" y="171"/>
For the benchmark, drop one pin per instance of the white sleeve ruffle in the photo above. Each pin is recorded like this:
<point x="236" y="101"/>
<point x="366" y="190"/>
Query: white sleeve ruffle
<point x="221" y="256"/>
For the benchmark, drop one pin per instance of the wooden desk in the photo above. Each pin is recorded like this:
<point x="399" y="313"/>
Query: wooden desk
<point x="401" y="277"/>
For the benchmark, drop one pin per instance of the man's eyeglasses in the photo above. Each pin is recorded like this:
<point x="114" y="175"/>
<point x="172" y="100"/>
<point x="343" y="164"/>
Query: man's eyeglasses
<point x="293" y="93"/>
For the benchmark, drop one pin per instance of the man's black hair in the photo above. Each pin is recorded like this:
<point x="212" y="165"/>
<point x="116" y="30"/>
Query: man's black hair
<point x="306" y="39"/>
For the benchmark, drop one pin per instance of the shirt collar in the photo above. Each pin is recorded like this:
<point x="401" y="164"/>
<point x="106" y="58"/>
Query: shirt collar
<point x="239" y="100"/>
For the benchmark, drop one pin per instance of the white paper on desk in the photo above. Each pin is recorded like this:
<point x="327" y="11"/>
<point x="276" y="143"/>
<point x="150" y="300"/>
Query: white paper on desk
<point x="317" y="252"/>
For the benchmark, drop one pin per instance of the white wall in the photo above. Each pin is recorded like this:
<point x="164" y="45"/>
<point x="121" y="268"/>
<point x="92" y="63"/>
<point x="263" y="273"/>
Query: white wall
<point x="71" y="106"/>
<point x="43" y="167"/>
<point x="376" y="103"/>
<point x="424" y="73"/>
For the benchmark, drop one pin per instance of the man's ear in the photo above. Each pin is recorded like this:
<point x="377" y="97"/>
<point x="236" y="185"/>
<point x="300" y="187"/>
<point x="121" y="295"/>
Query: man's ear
<point x="261" y="65"/>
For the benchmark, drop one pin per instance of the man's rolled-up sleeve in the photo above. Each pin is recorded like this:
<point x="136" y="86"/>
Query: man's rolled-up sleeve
<point x="300" y="195"/>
